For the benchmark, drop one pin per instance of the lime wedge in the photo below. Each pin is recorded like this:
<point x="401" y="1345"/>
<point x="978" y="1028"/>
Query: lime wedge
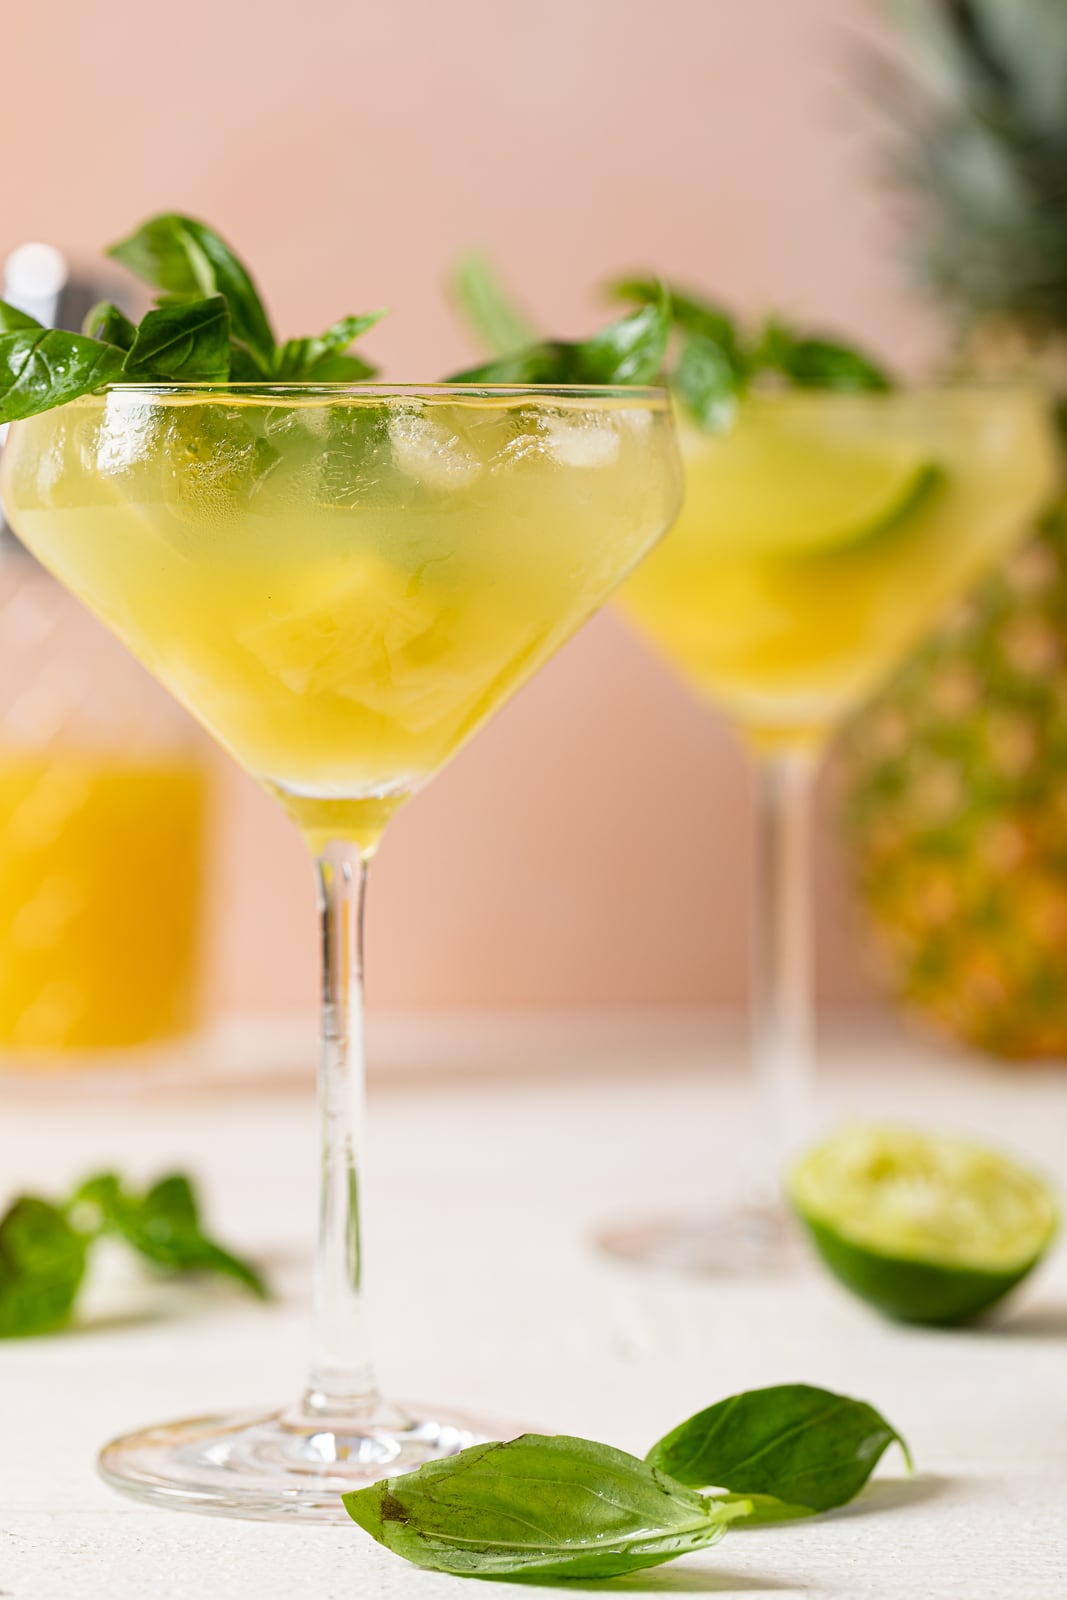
<point x="925" y="1228"/>
<point x="778" y="485"/>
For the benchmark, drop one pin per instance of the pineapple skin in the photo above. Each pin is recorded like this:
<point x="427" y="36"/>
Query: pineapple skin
<point x="955" y="785"/>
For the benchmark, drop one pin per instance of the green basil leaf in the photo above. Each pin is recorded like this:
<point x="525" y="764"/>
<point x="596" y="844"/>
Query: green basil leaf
<point x="42" y="1263"/>
<point x="707" y="381"/>
<point x="487" y="307"/>
<point x="630" y="351"/>
<point x="45" y="367"/>
<point x="539" y="1507"/>
<point x="183" y="343"/>
<point x="108" y="324"/>
<point x="550" y="362"/>
<point x="340" y="369"/>
<point x="691" y="313"/>
<point x="306" y="358"/>
<point x="180" y="256"/>
<point x="163" y="1226"/>
<point x="12" y="320"/>
<point x="807" y="1448"/>
<point x="815" y="363"/>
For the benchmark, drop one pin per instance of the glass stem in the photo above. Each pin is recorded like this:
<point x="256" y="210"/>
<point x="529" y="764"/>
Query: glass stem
<point x="342" y="1382"/>
<point x="782" y="968"/>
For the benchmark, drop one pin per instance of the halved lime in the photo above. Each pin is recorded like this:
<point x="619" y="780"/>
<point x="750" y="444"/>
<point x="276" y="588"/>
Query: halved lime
<point x="779" y="484"/>
<point x="926" y="1228"/>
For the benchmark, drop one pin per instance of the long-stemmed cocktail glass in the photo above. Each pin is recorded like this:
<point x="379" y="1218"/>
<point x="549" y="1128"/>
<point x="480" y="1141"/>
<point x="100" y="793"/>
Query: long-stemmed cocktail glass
<point x="342" y="584"/>
<point x="821" y="535"/>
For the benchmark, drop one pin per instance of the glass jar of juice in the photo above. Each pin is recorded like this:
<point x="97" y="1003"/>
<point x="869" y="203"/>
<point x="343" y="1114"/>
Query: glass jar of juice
<point x="102" y="812"/>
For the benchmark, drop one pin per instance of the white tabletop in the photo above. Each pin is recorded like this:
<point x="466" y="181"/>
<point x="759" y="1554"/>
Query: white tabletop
<point x="488" y="1296"/>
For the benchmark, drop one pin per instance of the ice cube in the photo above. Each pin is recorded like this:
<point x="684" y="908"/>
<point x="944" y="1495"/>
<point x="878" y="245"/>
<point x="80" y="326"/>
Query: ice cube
<point x="580" y="441"/>
<point x="431" y="452"/>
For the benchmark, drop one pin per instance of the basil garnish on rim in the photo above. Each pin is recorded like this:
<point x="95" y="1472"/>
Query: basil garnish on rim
<point x="208" y="325"/>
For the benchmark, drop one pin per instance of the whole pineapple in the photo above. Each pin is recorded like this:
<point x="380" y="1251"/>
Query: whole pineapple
<point x="957" y="777"/>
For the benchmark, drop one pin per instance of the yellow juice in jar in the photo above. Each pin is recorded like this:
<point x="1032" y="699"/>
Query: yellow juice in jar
<point x="99" y="902"/>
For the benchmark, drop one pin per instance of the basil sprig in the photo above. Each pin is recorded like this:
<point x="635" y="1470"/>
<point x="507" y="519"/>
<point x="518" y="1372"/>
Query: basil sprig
<point x="45" y="1248"/>
<point x="556" y="1507"/>
<point x="698" y="347"/>
<point x="793" y="1448"/>
<point x="630" y="351"/>
<point x="718" y="361"/>
<point x="539" y="1507"/>
<point x="209" y="325"/>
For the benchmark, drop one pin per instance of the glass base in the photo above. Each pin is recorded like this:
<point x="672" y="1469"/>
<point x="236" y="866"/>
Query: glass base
<point x="276" y="1466"/>
<point x="755" y="1240"/>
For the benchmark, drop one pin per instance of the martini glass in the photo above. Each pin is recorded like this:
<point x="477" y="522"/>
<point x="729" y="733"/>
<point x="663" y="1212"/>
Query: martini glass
<point x="822" y="534"/>
<point x="341" y="584"/>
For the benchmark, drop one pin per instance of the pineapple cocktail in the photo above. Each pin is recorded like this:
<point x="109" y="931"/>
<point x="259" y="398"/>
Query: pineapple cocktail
<point x="342" y="582"/>
<point x="820" y="536"/>
<point x="342" y="586"/>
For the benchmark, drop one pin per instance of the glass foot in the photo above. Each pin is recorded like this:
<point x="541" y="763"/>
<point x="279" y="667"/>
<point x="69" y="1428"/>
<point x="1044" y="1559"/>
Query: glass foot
<point x="277" y="1466"/>
<point x="757" y="1240"/>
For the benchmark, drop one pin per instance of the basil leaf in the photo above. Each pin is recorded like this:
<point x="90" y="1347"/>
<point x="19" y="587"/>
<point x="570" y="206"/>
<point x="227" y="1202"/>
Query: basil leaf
<point x="486" y="306"/>
<point x="180" y="256"/>
<point x="340" y="369"/>
<point x="163" y="1226"/>
<point x="12" y="320"/>
<point x="707" y="381"/>
<point x="629" y="351"/>
<point x="44" y="367"/>
<point x="42" y="1263"/>
<point x="550" y="362"/>
<point x="539" y="1507"/>
<point x="108" y="324"/>
<point x="691" y="313"/>
<point x="184" y="343"/>
<point x="814" y="363"/>
<point x="305" y="358"/>
<point x="808" y="1448"/>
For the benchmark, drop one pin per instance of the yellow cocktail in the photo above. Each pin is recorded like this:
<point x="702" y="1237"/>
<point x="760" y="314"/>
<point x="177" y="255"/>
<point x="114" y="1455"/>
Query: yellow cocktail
<point x="342" y="584"/>
<point x="821" y="535"/>
<point x="341" y="592"/>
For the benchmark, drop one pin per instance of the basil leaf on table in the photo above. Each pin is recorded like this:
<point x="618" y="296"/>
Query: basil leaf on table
<point x="539" y="1507"/>
<point x="180" y="256"/>
<point x="42" y="1263"/>
<point x="184" y="342"/>
<point x="163" y="1225"/>
<point x="45" y="367"/>
<point x="806" y="1448"/>
<point x="107" y="323"/>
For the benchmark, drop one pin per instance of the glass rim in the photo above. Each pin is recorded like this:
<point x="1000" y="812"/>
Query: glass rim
<point x="643" y="393"/>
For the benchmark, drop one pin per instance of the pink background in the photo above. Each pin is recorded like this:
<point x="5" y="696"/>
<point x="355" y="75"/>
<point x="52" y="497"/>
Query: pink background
<point x="591" y="847"/>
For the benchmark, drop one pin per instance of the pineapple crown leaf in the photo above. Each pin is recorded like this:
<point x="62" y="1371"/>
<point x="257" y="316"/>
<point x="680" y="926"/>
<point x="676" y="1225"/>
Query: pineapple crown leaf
<point x="983" y="119"/>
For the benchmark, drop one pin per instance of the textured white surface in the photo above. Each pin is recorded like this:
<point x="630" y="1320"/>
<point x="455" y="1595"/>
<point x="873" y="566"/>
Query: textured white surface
<point x="488" y="1296"/>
